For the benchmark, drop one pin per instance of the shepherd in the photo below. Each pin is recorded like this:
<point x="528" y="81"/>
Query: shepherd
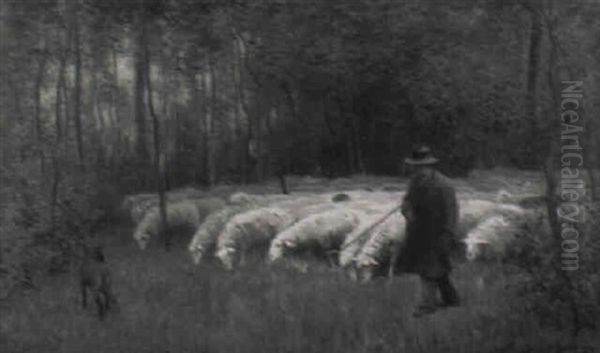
<point x="431" y="213"/>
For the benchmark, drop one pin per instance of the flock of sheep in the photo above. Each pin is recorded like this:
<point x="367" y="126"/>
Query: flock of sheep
<point x="350" y="231"/>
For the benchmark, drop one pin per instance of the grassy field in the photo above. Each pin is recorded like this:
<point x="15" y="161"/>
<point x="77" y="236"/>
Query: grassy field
<point x="168" y="305"/>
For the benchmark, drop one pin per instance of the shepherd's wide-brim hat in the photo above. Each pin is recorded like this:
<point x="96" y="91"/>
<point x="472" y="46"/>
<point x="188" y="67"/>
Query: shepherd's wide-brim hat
<point x="421" y="156"/>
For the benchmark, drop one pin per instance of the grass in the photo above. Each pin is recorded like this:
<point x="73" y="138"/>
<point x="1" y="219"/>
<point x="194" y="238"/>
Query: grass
<point x="168" y="305"/>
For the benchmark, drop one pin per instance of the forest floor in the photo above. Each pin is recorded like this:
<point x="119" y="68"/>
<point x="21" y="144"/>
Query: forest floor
<point x="168" y="305"/>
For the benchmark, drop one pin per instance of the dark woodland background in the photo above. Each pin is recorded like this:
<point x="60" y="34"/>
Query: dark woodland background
<point x="99" y="99"/>
<point x="242" y="91"/>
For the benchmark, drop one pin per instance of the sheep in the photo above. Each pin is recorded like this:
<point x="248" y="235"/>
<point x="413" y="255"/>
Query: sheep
<point x="242" y="198"/>
<point x="316" y="234"/>
<point x="186" y="214"/>
<point x="205" y="238"/>
<point x="137" y="205"/>
<point x="252" y="230"/>
<point x="352" y="244"/>
<point x="380" y="250"/>
<point x="94" y="276"/>
<point x="504" y="196"/>
<point x="371" y="256"/>
<point x="473" y="211"/>
<point x="489" y="238"/>
<point x="139" y="210"/>
<point x="306" y="205"/>
<point x="527" y="201"/>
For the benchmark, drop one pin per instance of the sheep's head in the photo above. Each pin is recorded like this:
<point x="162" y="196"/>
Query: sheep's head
<point x="504" y="196"/>
<point x="226" y="255"/>
<point x="142" y="238"/>
<point x="278" y="249"/>
<point x="365" y="268"/>
<point x="197" y="251"/>
<point x="346" y="257"/>
<point x="127" y="203"/>
<point x="470" y="249"/>
<point x="477" y="249"/>
<point x="358" y="272"/>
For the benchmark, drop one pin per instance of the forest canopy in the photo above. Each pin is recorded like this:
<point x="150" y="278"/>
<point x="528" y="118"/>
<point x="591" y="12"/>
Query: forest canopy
<point x="245" y="90"/>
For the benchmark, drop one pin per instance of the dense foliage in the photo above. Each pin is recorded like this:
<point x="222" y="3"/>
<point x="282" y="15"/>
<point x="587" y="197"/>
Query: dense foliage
<point x="247" y="90"/>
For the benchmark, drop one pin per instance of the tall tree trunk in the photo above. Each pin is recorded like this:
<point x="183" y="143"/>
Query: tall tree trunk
<point x="535" y="41"/>
<point x="347" y="139"/>
<point x="238" y="123"/>
<point x="196" y="82"/>
<point x="204" y="123"/>
<point x="280" y="149"/>
<point x="59" y="104"/>
<point x="139" y="89"/>
<point x="37" y="123"/>
<point x="78" y="84"/>
<point x="170" y="120"/>
<point x="100" y="130"/>
<point x="158" y="153"/>
<point x="258" y="143"/>
<point x="272" y="148"/>
<point x="358" y="142"/>
<point x="117" y="147"/>
<point x="210" y="102"/>
<point x="551" y="166"/>
<point x="58" y="121"/>
<point x="67" y="115"/>
<point x="241" y="106"/>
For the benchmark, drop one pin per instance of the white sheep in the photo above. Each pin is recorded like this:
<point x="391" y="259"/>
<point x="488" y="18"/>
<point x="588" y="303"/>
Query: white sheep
<point x="137" y="205"/>
<point x="250" y="231"/>
<point x="242" y="198"/>
<point x="472" y="212"/>
<point x="139" y="210"/>
<point x="355" y="240"/>
<point x="381" y="248"/>
<point x="489" y="238"/>
<point x="186" y="214"/>
<point x="316" y="234"/>
<point x="205" y="238"/>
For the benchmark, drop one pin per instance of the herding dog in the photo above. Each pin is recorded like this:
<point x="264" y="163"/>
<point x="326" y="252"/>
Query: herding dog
<point x="94" y="275"/>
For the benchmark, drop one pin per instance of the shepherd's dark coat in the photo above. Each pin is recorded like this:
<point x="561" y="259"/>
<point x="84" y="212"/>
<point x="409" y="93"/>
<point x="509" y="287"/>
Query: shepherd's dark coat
<point x="431" y="212"/>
